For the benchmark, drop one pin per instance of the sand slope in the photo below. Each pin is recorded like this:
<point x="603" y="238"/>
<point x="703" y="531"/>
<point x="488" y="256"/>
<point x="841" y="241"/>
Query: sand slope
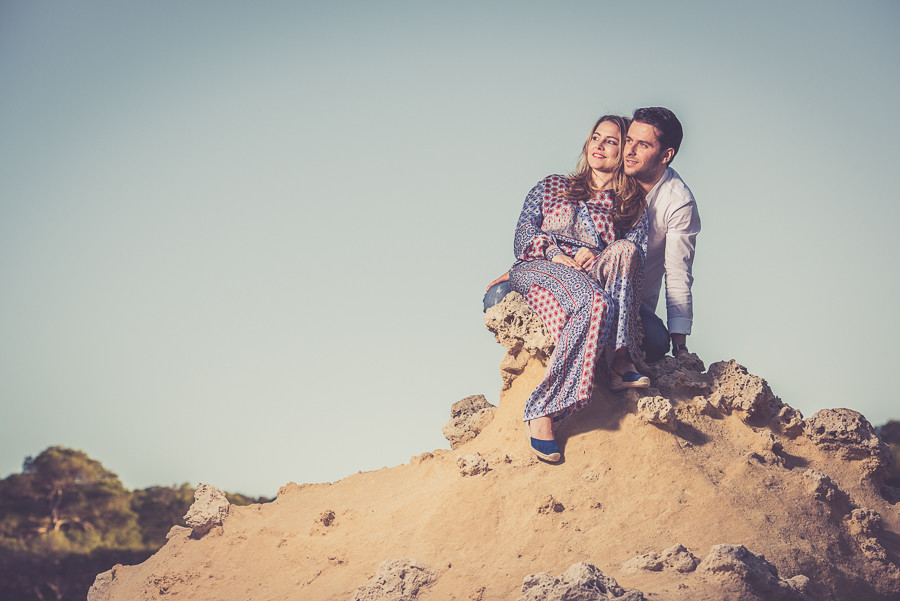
<point x="625" y="488"/>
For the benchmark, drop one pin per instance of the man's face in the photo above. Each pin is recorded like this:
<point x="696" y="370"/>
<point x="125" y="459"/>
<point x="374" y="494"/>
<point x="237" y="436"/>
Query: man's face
<point x="645" y="158"/>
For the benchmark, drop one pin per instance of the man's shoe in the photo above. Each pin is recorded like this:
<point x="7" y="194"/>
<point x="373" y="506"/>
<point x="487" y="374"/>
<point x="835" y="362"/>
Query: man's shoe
<point x="630" y="379"/>
<point x="548" y="450"/>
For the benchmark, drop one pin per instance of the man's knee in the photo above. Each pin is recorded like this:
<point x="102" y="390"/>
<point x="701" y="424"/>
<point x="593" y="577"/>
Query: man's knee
<point x="656" y="336"/>
<point x="627" y="255"/>
<point x="625" y="246"/>
<point x="496" y="294"/>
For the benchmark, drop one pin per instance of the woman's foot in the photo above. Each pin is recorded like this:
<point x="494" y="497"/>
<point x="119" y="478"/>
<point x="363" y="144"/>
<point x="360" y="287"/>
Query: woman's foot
<point x="622" y="362"/>
<point x="630" y="379"/>
<point x="539" y="435"/>
<point x="624" y="374"/>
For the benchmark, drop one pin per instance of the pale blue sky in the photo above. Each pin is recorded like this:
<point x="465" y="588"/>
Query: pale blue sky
<point x="246" y="243"/>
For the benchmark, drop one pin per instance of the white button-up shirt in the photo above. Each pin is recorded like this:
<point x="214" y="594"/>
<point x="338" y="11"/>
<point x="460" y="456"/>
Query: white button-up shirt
<point x="674" y="225"/>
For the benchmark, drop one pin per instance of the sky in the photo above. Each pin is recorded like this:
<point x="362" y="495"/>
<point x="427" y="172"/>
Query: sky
<point x="246" y="243"/>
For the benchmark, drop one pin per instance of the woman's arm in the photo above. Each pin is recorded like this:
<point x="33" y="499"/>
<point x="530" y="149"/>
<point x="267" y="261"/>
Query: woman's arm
<point x="580" y="262"/>
<point x="639" y="234"/>
<point x="530" y="241"/>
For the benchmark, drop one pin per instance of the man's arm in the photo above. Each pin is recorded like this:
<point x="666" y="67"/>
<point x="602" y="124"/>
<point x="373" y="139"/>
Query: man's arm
<point x="683" y="225"/>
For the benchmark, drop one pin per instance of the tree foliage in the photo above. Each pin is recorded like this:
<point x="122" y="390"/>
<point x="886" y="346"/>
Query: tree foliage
<point x="158" y="509"/>
<point x="66" y="518"/>
<point x="71" y="497"/>
<point x="890" y="433"/>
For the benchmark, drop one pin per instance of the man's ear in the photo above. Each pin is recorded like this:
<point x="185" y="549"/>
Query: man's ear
<point x="668" y="155"/>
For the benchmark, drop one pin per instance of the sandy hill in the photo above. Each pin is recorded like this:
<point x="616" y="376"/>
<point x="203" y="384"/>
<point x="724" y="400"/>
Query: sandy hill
<point x="706" y="486"/>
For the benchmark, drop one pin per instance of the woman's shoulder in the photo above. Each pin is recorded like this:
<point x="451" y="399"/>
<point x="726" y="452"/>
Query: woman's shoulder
<point x="554" y="184"/>
<point x="556" y="179"/>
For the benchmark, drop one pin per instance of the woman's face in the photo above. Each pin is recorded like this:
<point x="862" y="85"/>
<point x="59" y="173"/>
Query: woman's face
<point x="603" y="147"/>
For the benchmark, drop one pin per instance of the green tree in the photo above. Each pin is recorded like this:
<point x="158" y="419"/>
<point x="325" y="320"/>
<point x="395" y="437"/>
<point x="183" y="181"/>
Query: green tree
<point x="158" y="509"/>
<point x="66" y="518"/>
<point x="63" y="498"/>
<point x="890" y="433"/>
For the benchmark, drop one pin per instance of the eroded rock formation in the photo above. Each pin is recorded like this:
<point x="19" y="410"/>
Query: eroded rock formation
<point x="468" y="417"/>
<point x="396" y="580"/>
<point x="209" y="509"/>
<point x="676" y="558"/>
<point x="472" y="465"/>
<point x="707" y="461"/>
<point x="849" y="434"/>
<point x="582" y="581"/>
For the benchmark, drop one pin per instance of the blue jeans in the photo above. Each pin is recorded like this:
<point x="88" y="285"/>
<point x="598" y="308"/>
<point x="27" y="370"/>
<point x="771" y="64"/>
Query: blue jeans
<point x="496" y="294"/>
<point x="656" y="336"/>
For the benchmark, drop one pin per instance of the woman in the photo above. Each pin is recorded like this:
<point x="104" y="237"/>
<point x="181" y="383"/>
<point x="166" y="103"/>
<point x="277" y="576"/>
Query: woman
<point x="579" y="244"/>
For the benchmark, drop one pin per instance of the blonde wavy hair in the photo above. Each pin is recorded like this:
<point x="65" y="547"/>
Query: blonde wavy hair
<point x="628" y="198"/>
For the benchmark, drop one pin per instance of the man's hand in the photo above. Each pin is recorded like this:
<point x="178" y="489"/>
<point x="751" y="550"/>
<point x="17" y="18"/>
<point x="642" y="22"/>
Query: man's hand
<point x="566" y="260"/>
<point x="502" y="278"/>
<point x="585" y="258"/>
<point x="678" y="340"/>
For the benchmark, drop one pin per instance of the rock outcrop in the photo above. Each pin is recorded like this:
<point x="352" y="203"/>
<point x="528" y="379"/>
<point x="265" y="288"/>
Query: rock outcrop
<point x="734" y="389"/>
<point x="100" y="589"/>
<point x="521" y="332"/>
<point x="468" y="417"/>
<point x="648" y="479"/>
<point x="472" y="465"/>
<point x="396" y="580"/>
<point x="849" y="434"/>
<point x="210" y="508"/>
<point x="658" y="411"/>
<point x="823" y="488"/>
<point x="676" y="558"/>
<point x="581" y="582"/>
<point x="734" y="564"/>
<point x="732" y="570"/>
<point x="517" y="327"/>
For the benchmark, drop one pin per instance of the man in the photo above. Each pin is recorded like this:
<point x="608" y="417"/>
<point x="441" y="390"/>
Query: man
<point x="652" y="141"/>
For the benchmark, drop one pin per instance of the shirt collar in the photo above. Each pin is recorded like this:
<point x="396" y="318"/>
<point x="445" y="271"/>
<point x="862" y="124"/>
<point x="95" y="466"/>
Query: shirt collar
<point x="651" y="195"/>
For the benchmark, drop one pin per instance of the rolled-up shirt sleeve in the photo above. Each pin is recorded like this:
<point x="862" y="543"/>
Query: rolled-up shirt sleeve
<point x="683" y="225"/>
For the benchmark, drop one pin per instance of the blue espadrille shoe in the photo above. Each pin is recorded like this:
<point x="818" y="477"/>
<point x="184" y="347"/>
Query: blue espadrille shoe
<point x="548" y="450"/>
<point x="630" y="379"/>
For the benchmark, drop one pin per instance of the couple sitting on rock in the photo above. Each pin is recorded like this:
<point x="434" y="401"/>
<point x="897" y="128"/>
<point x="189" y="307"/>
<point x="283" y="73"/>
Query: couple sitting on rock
<point x="591" y="251"/>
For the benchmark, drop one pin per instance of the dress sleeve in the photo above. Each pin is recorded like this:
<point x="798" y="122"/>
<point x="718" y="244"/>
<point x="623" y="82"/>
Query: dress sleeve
<point x="530" y="241"/>
<point x="639" y="234"/>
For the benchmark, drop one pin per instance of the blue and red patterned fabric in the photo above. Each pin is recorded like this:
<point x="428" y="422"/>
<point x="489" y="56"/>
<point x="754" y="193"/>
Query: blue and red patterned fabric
<point x="586" y="312"/>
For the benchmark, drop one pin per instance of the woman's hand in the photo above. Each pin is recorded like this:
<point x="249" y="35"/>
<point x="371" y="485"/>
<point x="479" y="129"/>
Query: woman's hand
<point x="566" y="260"/>
<point x="502" y="278"/>
<point x="585" y="258"/>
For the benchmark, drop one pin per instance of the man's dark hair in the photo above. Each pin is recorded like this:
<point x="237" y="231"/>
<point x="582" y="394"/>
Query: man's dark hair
<point x="666" y="122"/>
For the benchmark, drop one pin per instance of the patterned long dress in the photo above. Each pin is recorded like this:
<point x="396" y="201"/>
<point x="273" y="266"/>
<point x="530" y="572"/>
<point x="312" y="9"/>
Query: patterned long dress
<point x="586" y="312"/>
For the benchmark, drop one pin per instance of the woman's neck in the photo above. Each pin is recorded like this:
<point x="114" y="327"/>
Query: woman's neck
<point x="601" y="180"/>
